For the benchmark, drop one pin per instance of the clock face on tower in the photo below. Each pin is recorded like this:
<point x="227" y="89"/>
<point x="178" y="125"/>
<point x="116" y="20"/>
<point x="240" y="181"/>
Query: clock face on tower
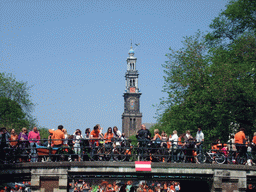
<point x="132" y="89"/>
<point x="132" y="102"/>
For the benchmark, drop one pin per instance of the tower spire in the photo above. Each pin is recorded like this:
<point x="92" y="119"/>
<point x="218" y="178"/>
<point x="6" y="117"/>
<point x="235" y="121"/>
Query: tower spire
<point x="131" y="118"/>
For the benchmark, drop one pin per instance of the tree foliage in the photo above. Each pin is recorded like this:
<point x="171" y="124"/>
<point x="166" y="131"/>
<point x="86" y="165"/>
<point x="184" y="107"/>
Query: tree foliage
<point x="11" y="114"/>
<point x="239" y="17"/>
<point x="213" y="87"/>
<point x="15" y="103"/>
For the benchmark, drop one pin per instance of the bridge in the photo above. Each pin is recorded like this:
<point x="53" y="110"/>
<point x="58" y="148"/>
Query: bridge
<point x="58" y="175"/>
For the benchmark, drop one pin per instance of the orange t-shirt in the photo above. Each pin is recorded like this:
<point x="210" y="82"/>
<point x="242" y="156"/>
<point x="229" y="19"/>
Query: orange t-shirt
<point x="108" y="137"/>
<point x="239" y="137"/>
<point x="157" y="136"/>
<point x="14" y="141"/>
<point x="59" y="136"/>
<point x="254" y="140"/>
<point x="94" y="134"/>
<point x="179" y="141"/>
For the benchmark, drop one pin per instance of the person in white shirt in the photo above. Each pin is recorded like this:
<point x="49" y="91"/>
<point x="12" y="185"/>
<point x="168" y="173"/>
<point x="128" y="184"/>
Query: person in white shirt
<point x="199" y="139"/>
<point x="65" y="141"/>
<point x="117" y="133"/>
<point x="174" y="140"/>
<point x="77" y="136"/>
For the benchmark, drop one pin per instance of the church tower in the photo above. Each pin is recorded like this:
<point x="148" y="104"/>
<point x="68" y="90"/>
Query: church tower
<point x="131" y="118"/>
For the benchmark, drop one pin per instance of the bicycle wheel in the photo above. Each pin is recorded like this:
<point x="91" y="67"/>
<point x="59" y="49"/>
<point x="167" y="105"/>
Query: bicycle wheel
<point x="220" y="158"/>
<point x="94" y="154"/>
<point x="201" y="158"/>
<point x="241" y="159"/>
<point x="231" y="157"/>
<point x="107" y="154"/>
<point x="181" y="156"/>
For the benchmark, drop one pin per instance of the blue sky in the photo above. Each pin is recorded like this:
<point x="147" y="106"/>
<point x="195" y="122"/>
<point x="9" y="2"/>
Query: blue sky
<point x="74" y="52"/>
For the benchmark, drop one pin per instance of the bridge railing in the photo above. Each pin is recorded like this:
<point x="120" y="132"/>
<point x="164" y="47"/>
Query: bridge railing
<point x="125" y="150"/>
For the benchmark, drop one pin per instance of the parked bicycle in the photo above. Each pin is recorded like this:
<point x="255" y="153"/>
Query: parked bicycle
<point x="211" y="156"/>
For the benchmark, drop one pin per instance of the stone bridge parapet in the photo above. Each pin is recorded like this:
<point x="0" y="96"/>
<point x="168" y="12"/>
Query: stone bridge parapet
<point x="224" y="177"/>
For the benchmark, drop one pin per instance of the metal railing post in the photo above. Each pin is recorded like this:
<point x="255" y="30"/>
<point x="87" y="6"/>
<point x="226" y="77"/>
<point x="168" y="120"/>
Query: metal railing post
<point x="50" y="149"/>
<point x="172" y="151"/>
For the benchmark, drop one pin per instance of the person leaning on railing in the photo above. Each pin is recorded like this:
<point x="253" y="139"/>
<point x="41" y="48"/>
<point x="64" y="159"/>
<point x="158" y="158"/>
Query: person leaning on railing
<point x="95" y="134"/>
<point x="58" y="137"/>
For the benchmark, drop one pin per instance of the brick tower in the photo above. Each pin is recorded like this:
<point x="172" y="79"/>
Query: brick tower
<point x="131" y="118"/>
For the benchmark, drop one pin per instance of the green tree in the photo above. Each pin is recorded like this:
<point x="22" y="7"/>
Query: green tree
<point x="214" y="86"/>
<point x="44" y="133"/>
<point x="15" y="94"/>
<point x="212" y="90"/>
<point x="239" y="17"/>
<point x="12" y="115"/>
<point x="17" y="91"/>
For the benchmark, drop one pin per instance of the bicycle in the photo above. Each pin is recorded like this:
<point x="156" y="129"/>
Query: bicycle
<point x="235" y="157"/>
<point x="211" y="156"/>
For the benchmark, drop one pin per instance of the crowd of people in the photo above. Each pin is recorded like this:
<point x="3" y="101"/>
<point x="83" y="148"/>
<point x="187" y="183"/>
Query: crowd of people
<point x="127" y="186"/>
<point x="93" y="138"/>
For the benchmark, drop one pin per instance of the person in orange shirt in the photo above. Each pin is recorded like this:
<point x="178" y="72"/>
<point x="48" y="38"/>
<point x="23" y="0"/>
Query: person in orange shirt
<point x="165" y="187"/>
<point x="95" y="134"/>
<point x="108" y="142"/>
<point x="156" y="132"/>
<point x="108" y="136"/>
<point x="58" y="136"/>
<point x="240" y="141"/>
<point x="254" y="142"/>
<point x="13" y="139"/>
